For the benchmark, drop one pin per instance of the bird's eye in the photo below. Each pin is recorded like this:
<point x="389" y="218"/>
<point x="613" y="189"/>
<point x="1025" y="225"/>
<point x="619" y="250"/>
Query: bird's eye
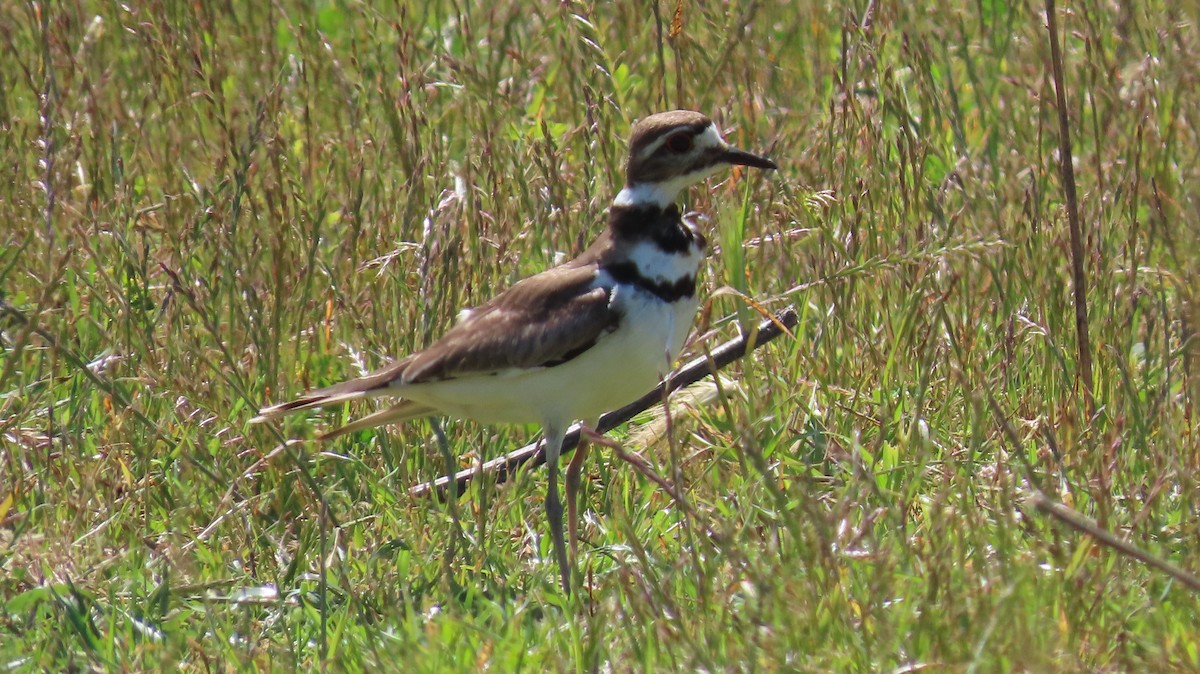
<point x="679" y="143"/>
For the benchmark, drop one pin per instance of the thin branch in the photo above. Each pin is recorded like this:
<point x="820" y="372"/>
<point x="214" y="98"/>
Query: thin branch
<point x="1084" y="525"/>
<point x="1067" y="171"/>
<point x="689" y="374"/>
<point x="1038" y="499"/>
<point x="641" y="465"/>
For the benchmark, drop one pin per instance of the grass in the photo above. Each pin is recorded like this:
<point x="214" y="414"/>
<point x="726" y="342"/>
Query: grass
<point x="212" y="206"/>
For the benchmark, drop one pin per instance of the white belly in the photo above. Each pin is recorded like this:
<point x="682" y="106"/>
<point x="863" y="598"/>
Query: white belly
<point x="622" y="366"/>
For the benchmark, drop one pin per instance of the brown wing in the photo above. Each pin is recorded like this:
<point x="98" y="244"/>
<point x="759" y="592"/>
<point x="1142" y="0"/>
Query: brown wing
<point x="543" y="320"/>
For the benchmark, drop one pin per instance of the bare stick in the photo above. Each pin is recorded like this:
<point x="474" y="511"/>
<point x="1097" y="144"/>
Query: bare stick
<point x="1067" y="171"/>
<point x="685" y="376"/>
<point x="1038" y="499"/>
<point x="1084" y="525"/>
<point x="640" y="464"/>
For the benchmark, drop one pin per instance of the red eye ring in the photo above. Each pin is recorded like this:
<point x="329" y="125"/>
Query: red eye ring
<point x="679" y="142"/>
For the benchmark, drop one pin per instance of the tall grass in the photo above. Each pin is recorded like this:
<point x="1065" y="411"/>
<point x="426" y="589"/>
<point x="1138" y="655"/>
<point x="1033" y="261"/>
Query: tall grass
<point x="211" y="206"/>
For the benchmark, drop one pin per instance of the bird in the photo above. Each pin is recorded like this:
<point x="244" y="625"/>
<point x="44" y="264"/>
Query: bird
<point x="579" y="339"/>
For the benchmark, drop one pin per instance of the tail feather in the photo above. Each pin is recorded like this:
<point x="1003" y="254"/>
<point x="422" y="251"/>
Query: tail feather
<point x="308" y="402"/>
<point x="401" y="411"/>
<point x="370" y="386"/>
<point x="379" y="383"/>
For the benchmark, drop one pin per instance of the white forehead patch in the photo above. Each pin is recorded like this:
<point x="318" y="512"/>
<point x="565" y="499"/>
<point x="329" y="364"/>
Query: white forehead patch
<point x="710" y="138"/>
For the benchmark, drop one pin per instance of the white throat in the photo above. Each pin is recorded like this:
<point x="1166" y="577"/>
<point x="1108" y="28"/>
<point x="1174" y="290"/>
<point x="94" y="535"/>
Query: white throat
<point x="648" y="194"/>
<point x="661" y="194"/>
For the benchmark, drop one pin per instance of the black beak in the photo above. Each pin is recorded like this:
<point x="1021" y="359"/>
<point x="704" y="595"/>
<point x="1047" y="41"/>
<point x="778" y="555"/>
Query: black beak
<point x="741" y="158"/>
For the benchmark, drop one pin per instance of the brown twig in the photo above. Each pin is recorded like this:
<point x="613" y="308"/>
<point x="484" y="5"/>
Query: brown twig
<point x="1067" y="171"/>
<point x="685" y="376"/>
<point x="1038" y="499"/>
<point x="640" y="464"/>
<point x="1084" y="525"/>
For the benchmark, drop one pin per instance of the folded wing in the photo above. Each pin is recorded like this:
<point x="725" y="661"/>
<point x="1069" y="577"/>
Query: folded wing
<point x="542" y="321"/>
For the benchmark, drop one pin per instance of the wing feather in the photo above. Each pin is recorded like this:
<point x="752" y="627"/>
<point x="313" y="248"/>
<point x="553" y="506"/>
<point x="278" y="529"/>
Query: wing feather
<point x="542" y="321"/>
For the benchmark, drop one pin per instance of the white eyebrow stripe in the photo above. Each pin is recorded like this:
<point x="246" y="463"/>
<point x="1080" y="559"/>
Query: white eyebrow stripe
<point x="653" y="147"/>
<point x="710" y="137"/>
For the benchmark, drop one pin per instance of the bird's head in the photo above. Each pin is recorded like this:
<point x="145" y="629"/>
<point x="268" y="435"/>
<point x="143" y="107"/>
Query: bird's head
<point x="673" y="150"/>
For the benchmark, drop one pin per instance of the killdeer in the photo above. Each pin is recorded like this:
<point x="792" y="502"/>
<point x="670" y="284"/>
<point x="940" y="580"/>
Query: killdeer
<point x="579" y="339"/>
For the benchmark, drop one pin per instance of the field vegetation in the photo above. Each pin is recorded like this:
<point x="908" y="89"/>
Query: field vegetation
<point x="210" y="206"/>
